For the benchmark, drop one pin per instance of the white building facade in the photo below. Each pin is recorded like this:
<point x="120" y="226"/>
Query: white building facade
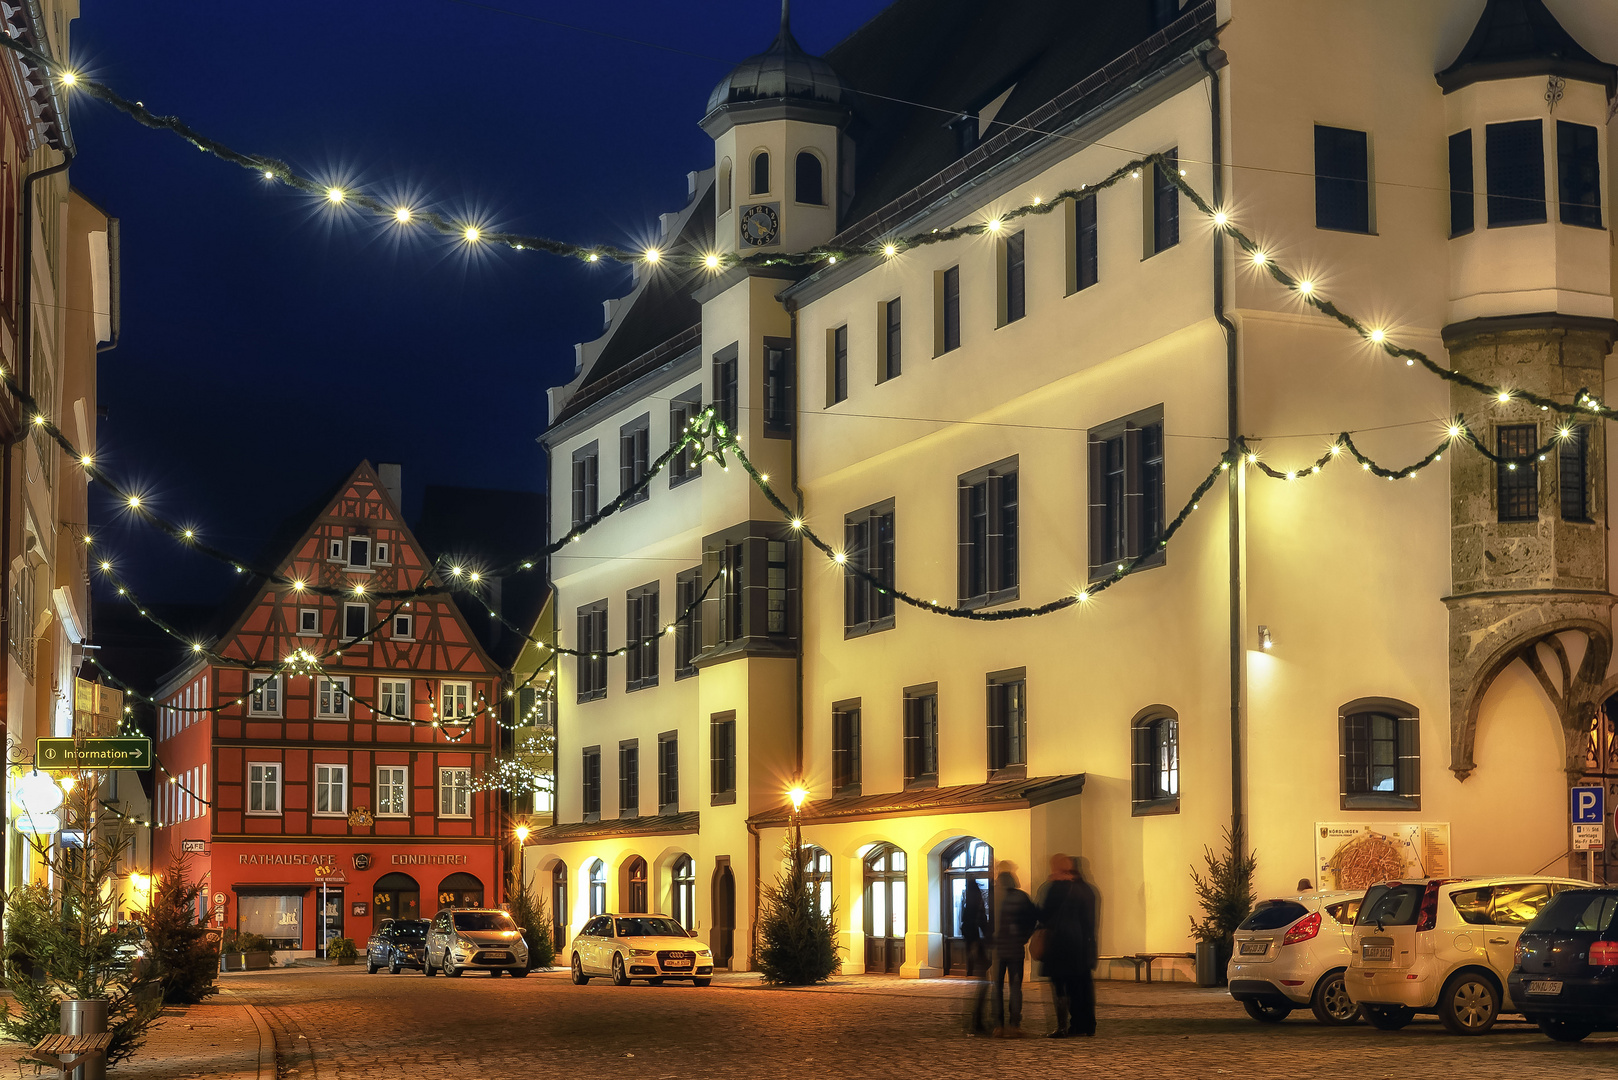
<point x="1002" y="419"/>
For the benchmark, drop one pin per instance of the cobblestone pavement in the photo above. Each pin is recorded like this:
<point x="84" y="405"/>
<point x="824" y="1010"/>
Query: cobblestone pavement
<point x="344" y="1025"/>
<point x="217" y="1040"/>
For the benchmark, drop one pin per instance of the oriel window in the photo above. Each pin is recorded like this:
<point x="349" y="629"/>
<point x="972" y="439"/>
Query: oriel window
<point x="688" y="631"/>
<point x="1462" y="194"/>
<point x="727" y="407"/>
<point x="1517" y="477"/>
<point x="1578" y="174"/>
<point x="1514" y="160"/>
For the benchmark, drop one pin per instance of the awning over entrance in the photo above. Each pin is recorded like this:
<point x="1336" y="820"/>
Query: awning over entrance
<point x="1018" y="794"/>
<point x="651" y="825"/>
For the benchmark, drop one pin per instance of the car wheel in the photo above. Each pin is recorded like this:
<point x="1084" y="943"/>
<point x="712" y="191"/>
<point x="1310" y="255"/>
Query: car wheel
<point x="371" y="966"/>
<point x="700" y="982"/>
<point x="449" y="967"/>
<point x="620" y="977"/>
<point x="579" y="977"/>
<point x="1388" y="1017"/>
<point x="1331" y="1003"/>
<point x="393" y="965"/>
<point x="1468" y="1004"/>
<point x="1267" y="1012"/>
<point x="518" y="973"/>
<point x="1565" y="1030"/>
<point x="427" y="965"/>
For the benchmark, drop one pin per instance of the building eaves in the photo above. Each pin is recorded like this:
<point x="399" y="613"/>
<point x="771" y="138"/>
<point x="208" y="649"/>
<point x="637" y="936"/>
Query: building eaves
<point x="1521" y="38"/>
<point x="994" y="795"/>
<point x="651" y="825"/>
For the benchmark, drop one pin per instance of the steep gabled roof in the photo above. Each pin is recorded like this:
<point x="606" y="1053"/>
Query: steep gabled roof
<point x="1514" y="38"/>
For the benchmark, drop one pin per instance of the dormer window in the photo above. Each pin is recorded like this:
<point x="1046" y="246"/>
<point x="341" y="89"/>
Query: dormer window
<point x="761" y="173"/>
<point x="334" y="551"/>
<point x="379" y="554"/>
<point x="810" y="187"/>
<point x="359" y="552"/>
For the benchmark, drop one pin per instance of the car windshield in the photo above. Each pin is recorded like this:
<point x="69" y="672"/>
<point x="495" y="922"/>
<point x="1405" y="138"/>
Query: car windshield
<point x="409" y="930"/>
<point x="1391" y="905"/>
<point x="483" y="920"/>
<point x="649" y="927"/>
<point x="1578" y="910"/>
<point x="1274" y="914"/>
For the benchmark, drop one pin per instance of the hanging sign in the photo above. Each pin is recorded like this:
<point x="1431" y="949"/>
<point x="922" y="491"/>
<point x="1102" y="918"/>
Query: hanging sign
<point x="127" y="752"/>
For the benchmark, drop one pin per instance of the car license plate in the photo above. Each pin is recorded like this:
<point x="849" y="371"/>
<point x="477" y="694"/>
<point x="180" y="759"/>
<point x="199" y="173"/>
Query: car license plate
<point x="1376" y="952"/>
<point x="1255" y="948"/>
<point x="497" y="956"/>
<point x="676" y="963"/>
<point x="1545" y="986"/>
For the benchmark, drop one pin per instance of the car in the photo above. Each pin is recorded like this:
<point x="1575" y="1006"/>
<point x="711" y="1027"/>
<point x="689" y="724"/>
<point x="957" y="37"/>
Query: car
<point x="638" y="946"/>
<point x="1443" y="945"/>
<point x="399" y="944"/>
<point x="475" y="939"/>
<point x="1291" y="953"/>
<point x="1566" y="975"/>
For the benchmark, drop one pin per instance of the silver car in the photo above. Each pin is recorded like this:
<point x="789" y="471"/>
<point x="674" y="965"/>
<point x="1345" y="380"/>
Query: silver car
<point x="475" y="939"/>
<point x="650" y="947"/>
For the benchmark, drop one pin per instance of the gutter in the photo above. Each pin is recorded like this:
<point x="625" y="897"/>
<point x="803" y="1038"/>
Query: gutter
<point x="1212" y="60"/>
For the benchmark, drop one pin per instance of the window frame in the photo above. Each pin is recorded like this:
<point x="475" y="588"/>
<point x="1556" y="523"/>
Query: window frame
<point x="1463" y="210"/>
<point x="387" y="689"/>
<point x="1406" y="795"/>
<point x="1523" y="480"/>
<point x="590" y="671"/>
<point x="847" y="750"/>
<point x="798" y="177"/>
<point x="586" y="483"/>
<point x="865" y="548"/>
<point x="278" y="784"/>
<point x="1147" y="797"/>
<point x="688" y="630"/>
<point x="334" y="774"/>
<point x="1509" y="209"/>
<point x="683" y="408"/>
<point x="999" y="564"/>
<point x="920" y="729"/>
<point x="449" y="771"/>
<point x="1162" y="214"/>
<point x="780" y="388"/>
<point x="1142" y="488"/>
<point x="349" y="607"/>
<point x="629" y="778"/>
<point x="947" y="310"/>
<point x="409" y="622"/>
<point x="323" y="698"/>
<point x="836" y="365"/>
<point x="722" y="759"/>
<point x="1343" y="198"/>
<point x="634" y="459"/>
<point x="1012" y="262"/>
<point x="401" y="789"/>
<point x="759" y="160"/>
<point x="643" y="636"/>
<point x="1001" y="745"/>
<point x="890" y="338"/>
<point x="727" y="387"/>
<point x="1573" y="472"/>
<point x="590" y="783"/>
<point x="449" y="709"/>
<point x="257" y="687"/>
<point x="352" y="541"/>
<point x="304" y="617"/>
<point x="668" y="772"/>
<point x="1084" y="238"/>
<point x="1582" y="214"/>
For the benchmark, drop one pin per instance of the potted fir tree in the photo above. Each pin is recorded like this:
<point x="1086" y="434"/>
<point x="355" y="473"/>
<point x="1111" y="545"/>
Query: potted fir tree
<point x="1225" y="895"/>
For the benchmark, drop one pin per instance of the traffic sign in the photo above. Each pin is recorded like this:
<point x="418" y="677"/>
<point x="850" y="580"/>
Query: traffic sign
<point x="1588" y="806"/>
<point x="129" y="752"/>
<point x="1589" y="837"/>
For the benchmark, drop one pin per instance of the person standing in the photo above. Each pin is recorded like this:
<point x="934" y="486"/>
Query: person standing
<point x="1014" y="919"/>
<point x="974" y="931"/>
<point x="1084" y="907"/>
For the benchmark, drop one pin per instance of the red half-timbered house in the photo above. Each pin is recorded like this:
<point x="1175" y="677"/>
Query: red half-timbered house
<point x="317" y="803"/>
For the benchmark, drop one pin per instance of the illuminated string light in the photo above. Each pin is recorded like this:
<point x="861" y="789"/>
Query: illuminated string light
<point x="472" y="234"/>
<point x="334" y="195"/>
<point x="402" y="215"/>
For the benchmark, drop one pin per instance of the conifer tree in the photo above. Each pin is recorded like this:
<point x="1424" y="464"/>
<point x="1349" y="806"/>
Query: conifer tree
<point x="797" y="940"/>
<point x="184" y="957"/>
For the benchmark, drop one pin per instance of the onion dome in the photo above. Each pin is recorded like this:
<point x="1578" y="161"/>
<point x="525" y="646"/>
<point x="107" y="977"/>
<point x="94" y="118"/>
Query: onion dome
<point x="783" y="72"/>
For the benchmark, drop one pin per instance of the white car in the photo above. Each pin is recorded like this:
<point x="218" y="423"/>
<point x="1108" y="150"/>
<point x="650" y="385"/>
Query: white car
<point x="474" y="939"/>
<point x="1291" y="953"/>
<point x="650" y="947"/>
<point x="1445" y="946"/>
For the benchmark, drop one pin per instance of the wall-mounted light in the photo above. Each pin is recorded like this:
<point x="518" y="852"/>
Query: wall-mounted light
<point x="1265" y="641"/>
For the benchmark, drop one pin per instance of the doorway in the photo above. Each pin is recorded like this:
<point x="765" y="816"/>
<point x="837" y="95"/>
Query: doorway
<point x="965" y="863"/>
<point x="559" y="905"/>
<point x="635" y="886"/>
<point x="885" y="899"/>
<point x="331" y="916"/>
<point x="724" y="914"/>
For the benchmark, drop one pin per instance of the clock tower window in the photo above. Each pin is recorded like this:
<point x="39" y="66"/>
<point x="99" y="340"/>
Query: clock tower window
<point x="761" y="173"/>
<point x="809" y="188"/>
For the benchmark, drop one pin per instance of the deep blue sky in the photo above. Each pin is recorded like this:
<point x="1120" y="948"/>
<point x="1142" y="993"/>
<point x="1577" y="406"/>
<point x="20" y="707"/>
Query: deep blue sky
<point x="269" y="345"/>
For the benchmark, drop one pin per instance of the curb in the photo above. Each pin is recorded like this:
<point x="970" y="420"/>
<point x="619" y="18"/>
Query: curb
<point x="266" y="1043"/>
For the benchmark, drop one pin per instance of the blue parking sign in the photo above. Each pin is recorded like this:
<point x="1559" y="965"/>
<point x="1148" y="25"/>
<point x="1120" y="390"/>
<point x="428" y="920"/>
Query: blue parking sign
<point x="1588" y="806"/>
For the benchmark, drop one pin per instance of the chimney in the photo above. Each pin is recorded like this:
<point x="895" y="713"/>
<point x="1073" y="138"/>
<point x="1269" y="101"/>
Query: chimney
<point x="392" y="482"/>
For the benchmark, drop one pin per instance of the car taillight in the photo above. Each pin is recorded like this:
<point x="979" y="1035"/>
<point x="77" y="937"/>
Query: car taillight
<point x="1428" y="917"/>
<point x="1604" y="954"/>
<point x="1304" y="929"/>
<point x="1519" y="955"/>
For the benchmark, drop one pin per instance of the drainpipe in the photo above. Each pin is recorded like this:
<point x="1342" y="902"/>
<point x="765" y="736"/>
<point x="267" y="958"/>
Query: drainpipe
<point x="25" y="308"/>
<point x="1212" y="60"/>
<point x="792" y="314"/>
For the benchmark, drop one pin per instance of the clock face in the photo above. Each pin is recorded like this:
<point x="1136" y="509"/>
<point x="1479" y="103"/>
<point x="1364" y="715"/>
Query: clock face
<point x="760" y="224"/>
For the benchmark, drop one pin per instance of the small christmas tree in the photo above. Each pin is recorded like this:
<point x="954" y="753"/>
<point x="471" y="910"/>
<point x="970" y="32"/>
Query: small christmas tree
<point x="183" y="955"/>
<point x="527" y="909"/>
<point x="797" y="940"/>
<point x="1226" y="893"/>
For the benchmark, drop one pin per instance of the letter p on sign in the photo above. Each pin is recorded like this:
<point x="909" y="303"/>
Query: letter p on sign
<point x="1588" y="808"/>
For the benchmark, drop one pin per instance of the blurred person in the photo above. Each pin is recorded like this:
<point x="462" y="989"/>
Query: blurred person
<point x="975" y="931"/>
<point x="1069" y="947"/>
<point x="1014" y="918"/>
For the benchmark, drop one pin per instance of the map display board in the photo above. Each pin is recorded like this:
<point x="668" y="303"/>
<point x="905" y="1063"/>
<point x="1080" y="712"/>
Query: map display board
<point x="1355" y="855"/>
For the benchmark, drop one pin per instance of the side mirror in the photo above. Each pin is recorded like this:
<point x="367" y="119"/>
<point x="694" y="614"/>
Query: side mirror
<point x="522" y="929"/>
<point x="690" y="933"/>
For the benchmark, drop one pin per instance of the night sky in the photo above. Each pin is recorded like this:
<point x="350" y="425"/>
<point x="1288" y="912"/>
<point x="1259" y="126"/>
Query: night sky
<point x="270" y="344"/>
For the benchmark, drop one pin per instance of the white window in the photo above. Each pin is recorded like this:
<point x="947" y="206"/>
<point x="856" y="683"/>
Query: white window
<point x="331" y="789"/>
<point x="380" y="555"/>
<point x="263" y="787"/>
<point x="392" y="791"/>
<point x="264" y="695"/>
<point x="359" y="552"/>
<point x="334" y="553"/>
<point x="393" y="699"/>
<point x="308" y="620"/>
<point x="457" y="700"/>
<point x="356" y="620"/>
<point x="404" y="627"/>
<point x="332" y="697"/>
<point x="454" y="792"/>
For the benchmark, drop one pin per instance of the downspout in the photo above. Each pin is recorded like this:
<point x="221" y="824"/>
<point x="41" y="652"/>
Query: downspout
<point x="1212" y="60"/>
<point x="25" y="307"/>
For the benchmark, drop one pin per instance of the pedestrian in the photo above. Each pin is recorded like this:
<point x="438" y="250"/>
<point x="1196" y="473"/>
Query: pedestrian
<point x="1014" y="919"/>
<point x="1067" y="953"/>
<point x="974" y="931"/>
<point x="1305" y="885"/>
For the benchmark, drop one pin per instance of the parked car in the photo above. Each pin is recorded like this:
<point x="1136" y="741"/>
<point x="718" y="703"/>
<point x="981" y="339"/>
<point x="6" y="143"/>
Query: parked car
<point x="650" y="947"/>
<point x="1443" y="945"/>
<point x="399" y="944"/>
<point x="1566" y="976"/>
<point x="481" y="939"/>
<point x="1291" y="953"/>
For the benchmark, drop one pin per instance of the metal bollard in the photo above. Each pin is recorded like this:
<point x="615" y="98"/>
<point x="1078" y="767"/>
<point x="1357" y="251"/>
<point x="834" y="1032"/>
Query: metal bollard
<point x="86" y="1018"/>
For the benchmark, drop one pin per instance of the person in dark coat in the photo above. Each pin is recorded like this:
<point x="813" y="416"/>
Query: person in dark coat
<point x="1067" y="910"/>
<point x="975" y="931"/>
<point x="1014" y="919"/>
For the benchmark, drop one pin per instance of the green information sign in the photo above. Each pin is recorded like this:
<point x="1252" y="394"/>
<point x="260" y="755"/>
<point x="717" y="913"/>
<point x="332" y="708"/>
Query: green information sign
<point x="130" y="752"/>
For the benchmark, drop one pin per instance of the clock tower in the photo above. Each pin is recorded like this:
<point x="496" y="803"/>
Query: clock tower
<point x="779" y="149"/>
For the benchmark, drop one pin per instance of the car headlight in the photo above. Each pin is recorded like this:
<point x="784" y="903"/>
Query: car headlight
<point x="704" y="952"/>
<point x="465" y="945"/>
<point x="642" y="952"/>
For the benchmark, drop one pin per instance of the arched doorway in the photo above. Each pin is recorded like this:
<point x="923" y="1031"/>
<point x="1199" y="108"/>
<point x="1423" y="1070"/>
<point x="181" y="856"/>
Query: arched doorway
<point x="633" y="886"/>
<point x="460" y="890"/>
<point x="885" y="898"/>
<point x="683" y="895"/>
<point x="559" y="905"/>
<point x="724" y="914"/>
<point x="965" y="861"/>
<point x="598" y="888"/>
<point x="396" y="896"/>
<point x="817" y="874"/>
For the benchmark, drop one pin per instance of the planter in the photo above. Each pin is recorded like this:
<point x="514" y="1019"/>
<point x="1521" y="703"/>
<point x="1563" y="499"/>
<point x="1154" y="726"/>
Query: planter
<point x="252" y="961"/>
<point x="343" y="961"/>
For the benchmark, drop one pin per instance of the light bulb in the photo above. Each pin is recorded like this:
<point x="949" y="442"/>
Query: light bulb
<point x="69" y="78"/>
<point x="1378" y="335"/>
<point x="1220" y="218"/>
<point x="334" y="195"/>
<point x="652" y="255"/>
<point x="890" y="250"/>
<point x="1503" y="397"/>
<point x="1259" y="258"/>
<point x="402" y="215"/>
<point x="592" y="257"/>
<point x="1306" y="287"/>
<point x="86" y="461"/>
<point x="711" y="261"/>
<point x="268" y="175"/>
<point x="134" y="502"/>
<point x="472" y="233"/>
<point x="994" y="224"/>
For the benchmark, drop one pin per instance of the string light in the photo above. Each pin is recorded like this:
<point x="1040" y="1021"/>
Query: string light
<point x="334" y="195"/>
<point x="652" y="255"/>
<point x="472" y="233"/>
<point x="711" y="261"/>
<point x="402" y="215"/>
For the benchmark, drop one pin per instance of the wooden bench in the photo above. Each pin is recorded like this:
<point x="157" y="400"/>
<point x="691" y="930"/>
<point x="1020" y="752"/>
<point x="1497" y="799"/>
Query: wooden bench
<point x="82" y="1049"/>
<point x="1146" y="959"/>
<point x="1131" y="959"/>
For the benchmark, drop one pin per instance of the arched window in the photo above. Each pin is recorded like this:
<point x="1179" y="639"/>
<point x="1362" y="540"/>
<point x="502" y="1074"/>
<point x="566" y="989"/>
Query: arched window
<point x="684" y="898"/>
<point x="460" y="890"/>
<point x="396" y="896"/>
<point x="724" y="186"/>
<point x="817" y="873"/>
<point x="810" y="187"/>
<point x="965" y="864"/>
<point x="885" y="897"/>
<point x="634" y="886"/>
<point x="1379" y="763"/>
<point x="559" y="905"/>
<point x="761" y="173"/>
<point x="598" y="888"/>
<point x="1155" y="768"/>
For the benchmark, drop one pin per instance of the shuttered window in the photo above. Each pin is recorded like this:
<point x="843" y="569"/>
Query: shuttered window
<point x="921" y="736"/>
<point x="722" y="757"/>
<point x="668" y="773"/>
<point x="688" y="631"/>
<point x="1380" y="759"/>
<point x="837" y="366"/>
<point x="1007" y="710"/>
<point x="1517" y="477"/>
<point x="629" y="778"/>
<point x="868" y="572"/>
<point x="634" y="458"/>
<point x="725" y="388"/>
<point x="586" y="483"/>
<point x="686" y="465"/>
<point x="892" y="353"/>
<point x="987" y="541"/>
<point x="1514" y="159"/>
<point x="590" y="786"/>
<point x="949" y="310"/>
<point x="592" y="645"/>
<point x="642" y="637"/>
<point x="1165" y="204"/>
<point x="1127" y="493"/>
<point x="1155" y="764"/>
<point x="845" y="748"/>
<point x="1015" y="278"/>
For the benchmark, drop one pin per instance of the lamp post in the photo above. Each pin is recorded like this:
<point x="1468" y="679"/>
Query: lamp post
<point x="797" y="794"/>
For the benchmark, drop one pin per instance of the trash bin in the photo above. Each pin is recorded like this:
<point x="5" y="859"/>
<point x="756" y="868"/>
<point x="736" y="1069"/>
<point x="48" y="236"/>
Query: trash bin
<point x="1210" y="968"/>
<point x="87" y="1018"/>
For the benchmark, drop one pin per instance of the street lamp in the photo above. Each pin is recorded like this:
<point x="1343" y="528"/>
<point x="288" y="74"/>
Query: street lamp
<point x="798" y="794"/>
<point x="521" y="833"/>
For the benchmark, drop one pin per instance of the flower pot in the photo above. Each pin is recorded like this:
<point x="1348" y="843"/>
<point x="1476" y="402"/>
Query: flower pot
<point x="342" y="961"/>
<point x="255" y="961"/>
